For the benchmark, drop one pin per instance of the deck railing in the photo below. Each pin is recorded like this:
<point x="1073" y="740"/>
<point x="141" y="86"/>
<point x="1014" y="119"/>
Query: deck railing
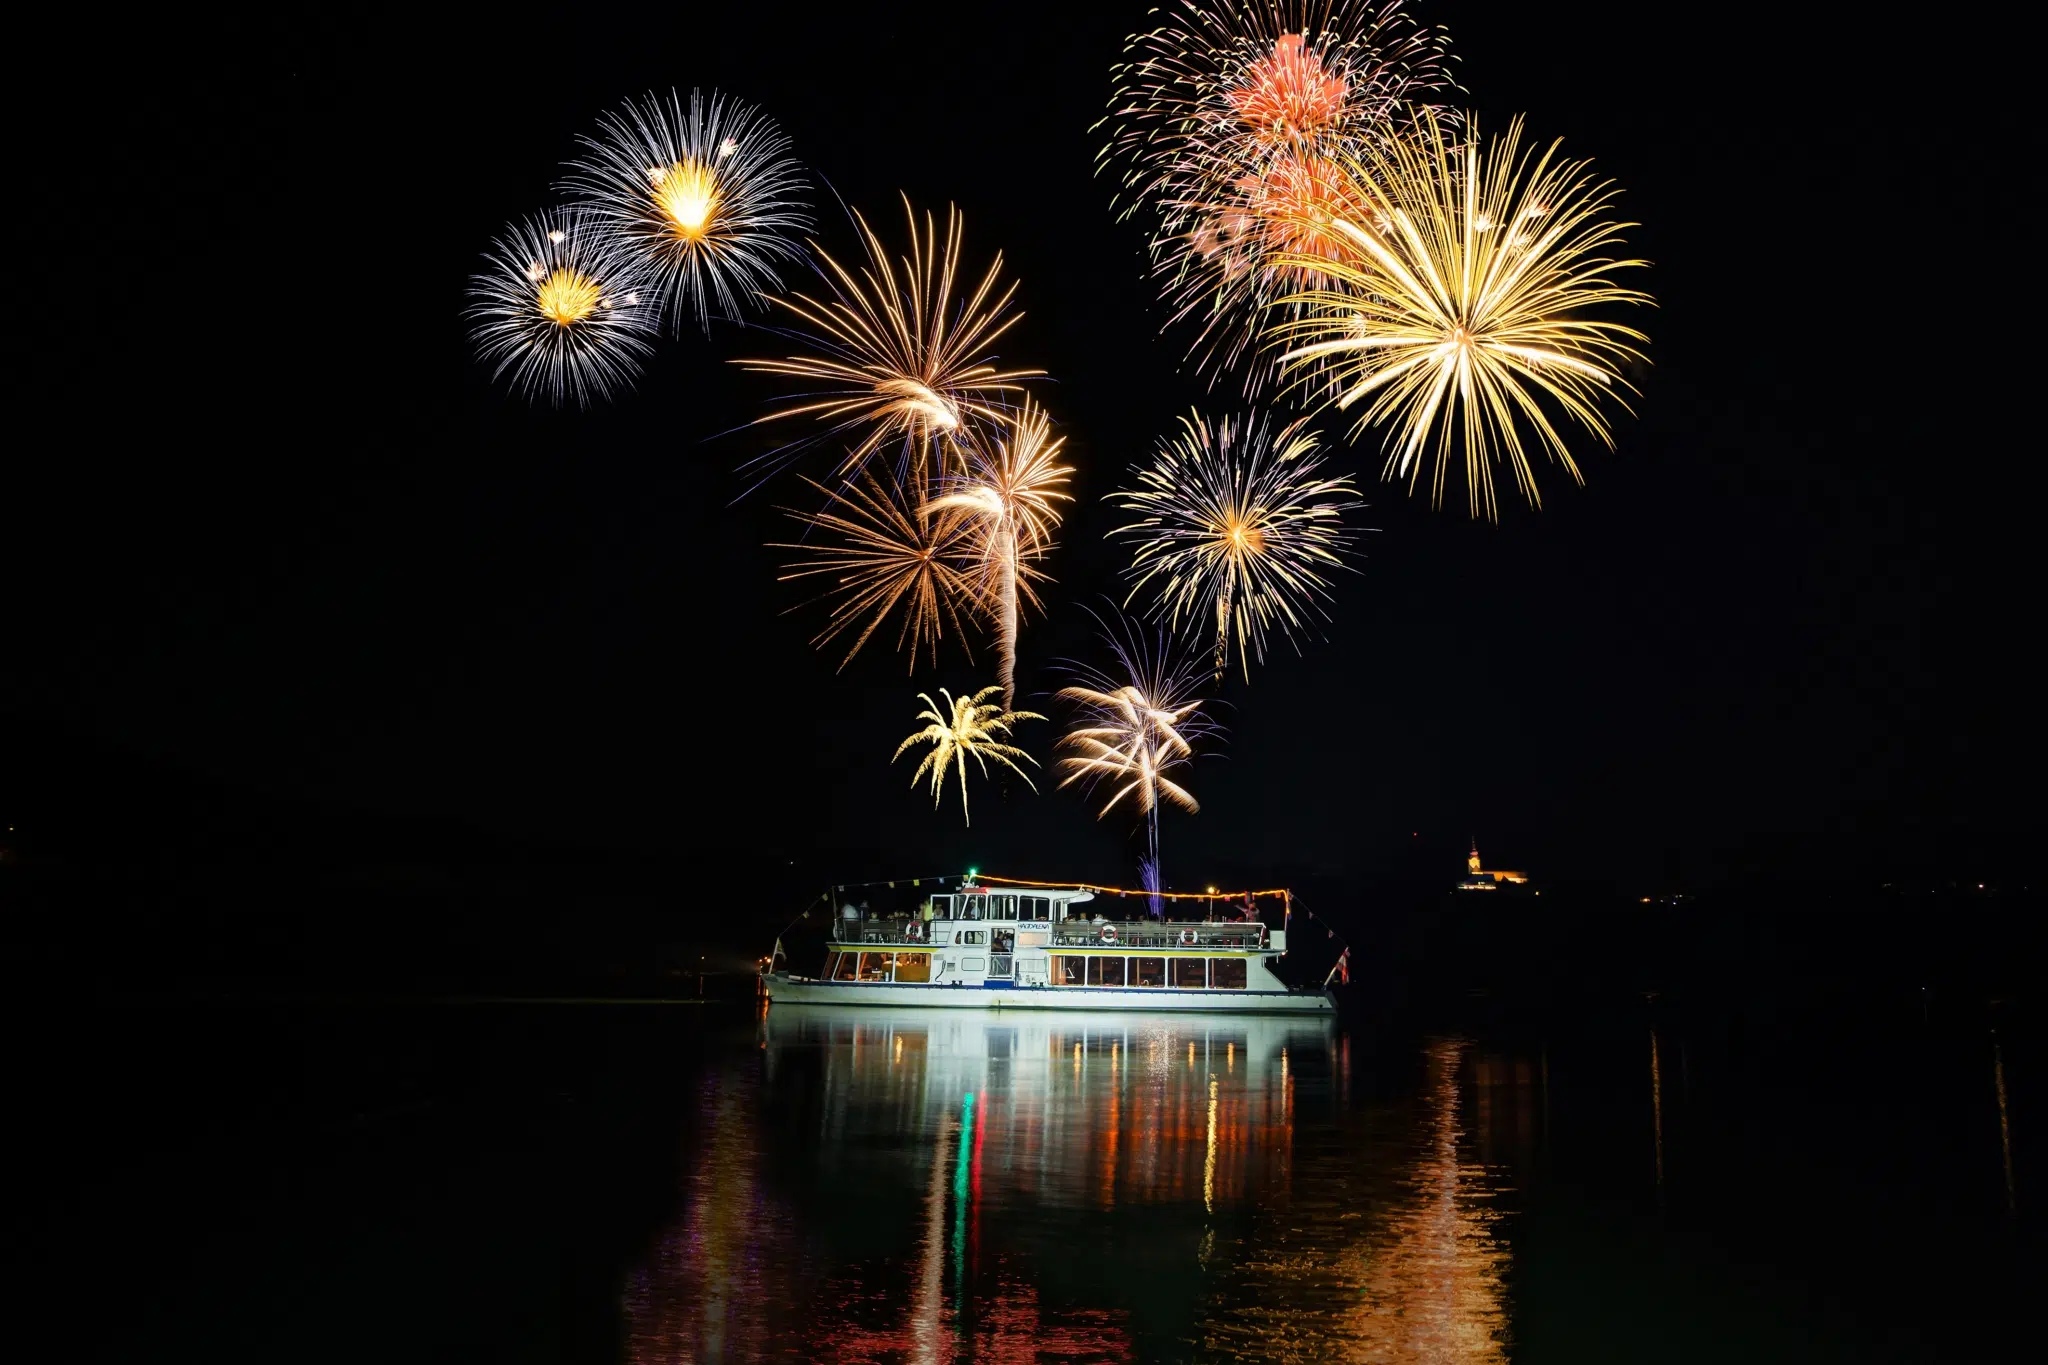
<point x="1128" y="936"/>
<point x="878" y="931"/>
<point x="1069" y="934"/>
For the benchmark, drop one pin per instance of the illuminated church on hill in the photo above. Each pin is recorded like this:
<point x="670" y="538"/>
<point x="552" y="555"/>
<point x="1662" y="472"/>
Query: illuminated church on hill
<point x="1479" y="878"/>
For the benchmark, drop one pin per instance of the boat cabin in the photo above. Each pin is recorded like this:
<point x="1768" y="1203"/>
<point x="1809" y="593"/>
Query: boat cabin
<point x="1001" y="937"/>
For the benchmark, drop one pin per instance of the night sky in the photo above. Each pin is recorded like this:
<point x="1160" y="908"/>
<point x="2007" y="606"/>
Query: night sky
<point x="269" y="527"/>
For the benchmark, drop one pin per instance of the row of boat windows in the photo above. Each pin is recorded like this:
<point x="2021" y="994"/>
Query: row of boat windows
<point x="1068" y="969"/>
<point x="1183" y="973"/>
<point x="879" y="966"/>
<point x="991" y="907"/>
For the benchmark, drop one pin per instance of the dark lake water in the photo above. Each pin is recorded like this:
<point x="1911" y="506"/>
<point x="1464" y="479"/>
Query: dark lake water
<point x="672" y="1183"/>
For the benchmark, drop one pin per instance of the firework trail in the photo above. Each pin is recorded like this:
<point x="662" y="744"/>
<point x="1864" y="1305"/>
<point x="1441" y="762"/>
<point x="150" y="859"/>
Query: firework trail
<point x="1135" y="723"/>
<point x="1009" y="496"/>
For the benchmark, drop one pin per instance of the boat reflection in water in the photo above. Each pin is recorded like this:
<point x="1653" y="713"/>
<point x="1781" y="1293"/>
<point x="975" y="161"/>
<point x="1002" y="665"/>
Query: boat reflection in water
<point x="923" y="1187"/>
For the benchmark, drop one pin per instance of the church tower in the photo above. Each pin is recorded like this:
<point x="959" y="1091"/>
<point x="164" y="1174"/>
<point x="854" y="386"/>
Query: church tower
<point x="1472" y="862"/>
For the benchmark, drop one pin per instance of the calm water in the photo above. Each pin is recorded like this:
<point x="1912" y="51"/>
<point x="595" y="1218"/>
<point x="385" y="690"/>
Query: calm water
<point x="670" y="1185"/>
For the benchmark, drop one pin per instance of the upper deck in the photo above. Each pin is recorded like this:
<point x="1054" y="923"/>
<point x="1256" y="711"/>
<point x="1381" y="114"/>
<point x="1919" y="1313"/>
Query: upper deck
<point x="1057" y="913"/>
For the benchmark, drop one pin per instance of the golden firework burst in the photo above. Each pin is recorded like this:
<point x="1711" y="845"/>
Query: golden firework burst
<point x="900" y="355"/>
<point x="1236" y="523"/>
<point x="879" y="555"/>
<point x="687" y="194"/>
<point x="1464" y="313"/>
<point x="567" y="296"/>
<point x="965" y="728"/>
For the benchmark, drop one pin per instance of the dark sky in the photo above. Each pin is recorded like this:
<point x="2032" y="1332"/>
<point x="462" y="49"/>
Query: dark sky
<point x="274" y="529"/>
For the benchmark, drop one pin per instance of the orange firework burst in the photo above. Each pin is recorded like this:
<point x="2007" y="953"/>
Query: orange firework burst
<point x="1288" y="97"/>
<point x="1226" y="123"/>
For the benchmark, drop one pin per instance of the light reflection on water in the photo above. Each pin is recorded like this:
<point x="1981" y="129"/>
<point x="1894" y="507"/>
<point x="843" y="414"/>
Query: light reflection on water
<point x="912" y="1187"/>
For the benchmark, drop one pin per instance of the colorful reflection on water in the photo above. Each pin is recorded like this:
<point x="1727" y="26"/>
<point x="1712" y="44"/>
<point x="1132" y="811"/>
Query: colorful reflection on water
<point x="912" y="1187"/>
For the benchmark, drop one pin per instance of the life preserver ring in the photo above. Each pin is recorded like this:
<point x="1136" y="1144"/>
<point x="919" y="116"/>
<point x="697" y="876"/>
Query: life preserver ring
<point x="913" y="932"/>
<point x="1107" y="933"/>
<point x="1189" y="938"/>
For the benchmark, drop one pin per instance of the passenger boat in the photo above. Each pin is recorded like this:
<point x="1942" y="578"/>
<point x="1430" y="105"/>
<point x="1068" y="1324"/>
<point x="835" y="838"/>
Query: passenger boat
<point x="1014" y="947"/>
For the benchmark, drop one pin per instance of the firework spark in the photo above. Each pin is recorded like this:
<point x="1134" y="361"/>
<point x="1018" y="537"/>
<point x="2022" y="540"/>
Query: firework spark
<point x="1235" y="524"/>
<point x="708" y="196"/>
<point x="879" y="552"/>
<point x="964" y="728"/>
<point x="899" y="358"/>
<point x="1136" y="723"/>
<point x="1228" y="116"/>
<point x="1009" y="497"/>
<point x="558" y="310"/>
<point x="1463" y="314"/>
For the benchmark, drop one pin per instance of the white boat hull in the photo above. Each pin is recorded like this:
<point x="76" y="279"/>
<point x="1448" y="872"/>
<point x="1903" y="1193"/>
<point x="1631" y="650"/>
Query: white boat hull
<point x="781" y="986"/>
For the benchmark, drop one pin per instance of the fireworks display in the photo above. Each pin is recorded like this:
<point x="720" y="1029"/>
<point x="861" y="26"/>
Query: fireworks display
<point x="559" y="310"/>
<point x="1460" y="318"/>
<point x="1317" y="216"/>
<point x="1136" y="723"/>
<point x="706" y="194"/>
<point x="1008" y="499"/>
<point x="1225" y="124"/>
<point x="965" y="728"/>
<point x="1237" y="526"/>
<point x="898" y="357"/>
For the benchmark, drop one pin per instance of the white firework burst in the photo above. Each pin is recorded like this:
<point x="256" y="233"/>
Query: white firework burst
<point x="707" y="194"/>
<point x="560" y="309"/>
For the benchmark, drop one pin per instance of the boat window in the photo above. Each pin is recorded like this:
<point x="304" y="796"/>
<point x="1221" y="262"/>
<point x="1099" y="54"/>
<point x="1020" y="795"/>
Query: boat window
<point x="1069" y="970"/>
<point x="1037" y="907"/>
<point x="973" y="936"/>
<point x="913" y="966"/>
<point x="1105" y="971"/>
<point x="973" y="964"/>
<point x="1226" y="973"/>
<point x="831" y="962"/>
<point x="1148" y="971"/>
<point x="971" y="907"/>
<point x="1033" y="938"/>
<point x="1190" y="973"/>
<point x="875" y="966"/>
<point x="942" y="907"/>
<point x="848" y="968"/>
